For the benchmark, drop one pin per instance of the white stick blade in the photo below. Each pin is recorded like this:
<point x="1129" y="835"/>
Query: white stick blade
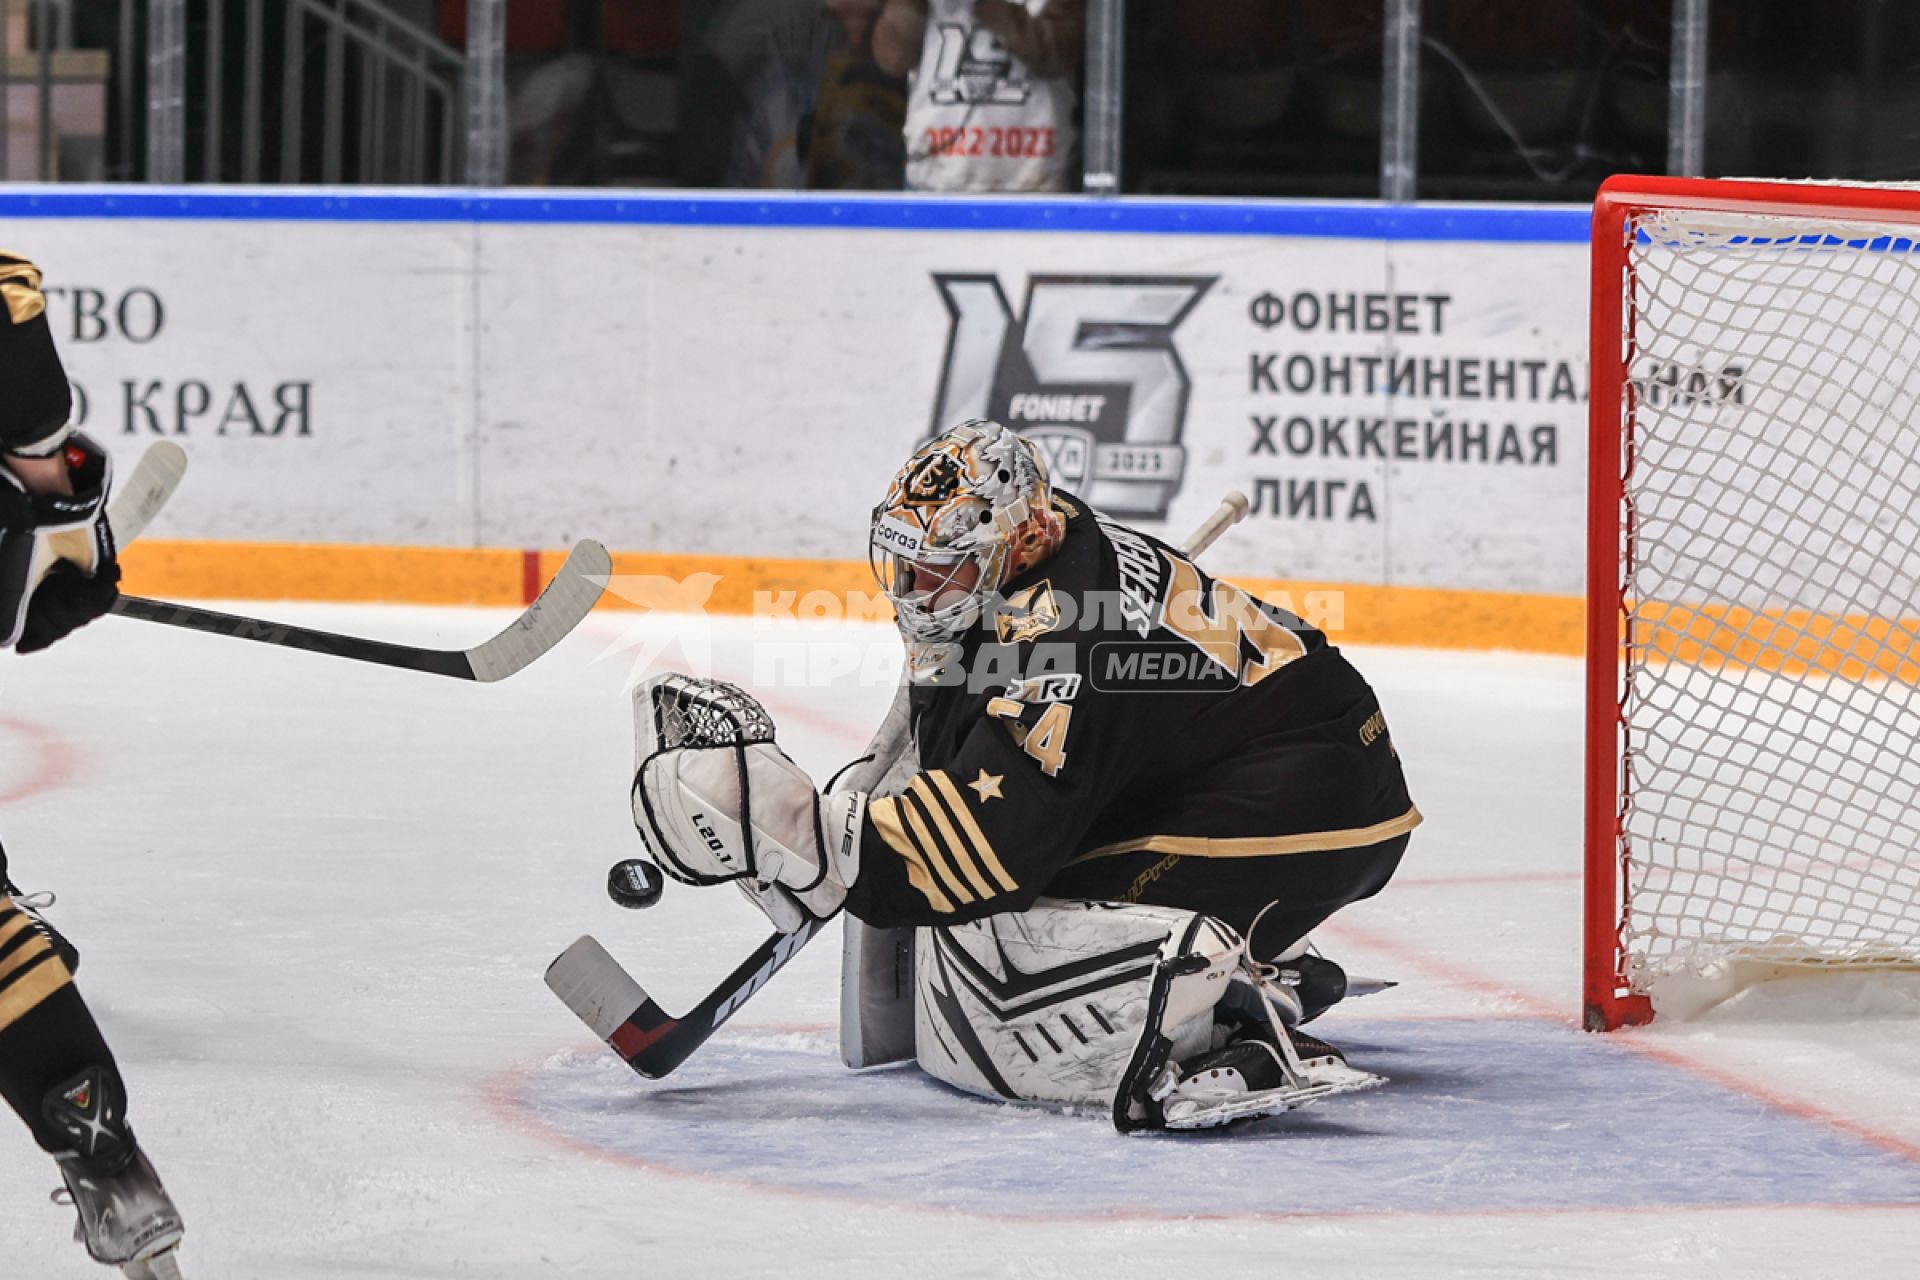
<point x="567" y="600"/>
<point x="139" y="499"/>
<point x="592" y="984"/>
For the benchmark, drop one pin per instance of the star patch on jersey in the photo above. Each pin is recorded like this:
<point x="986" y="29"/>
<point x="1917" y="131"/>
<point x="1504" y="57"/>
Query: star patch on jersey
<point x="987" y="785"/>
<point x="1027" y="614"/>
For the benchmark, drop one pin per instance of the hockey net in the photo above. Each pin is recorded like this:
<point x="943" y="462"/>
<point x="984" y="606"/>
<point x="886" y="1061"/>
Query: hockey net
<point x="1754" y="589"/>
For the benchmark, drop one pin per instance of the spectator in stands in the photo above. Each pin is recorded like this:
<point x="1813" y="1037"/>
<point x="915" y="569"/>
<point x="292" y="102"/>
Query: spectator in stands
<point x="789" y="89"/>
<point x="853" y="138"/>
<point x="991" y="102"/>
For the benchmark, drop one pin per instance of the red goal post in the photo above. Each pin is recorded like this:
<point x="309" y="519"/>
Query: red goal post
<point x="1749" y="345"/>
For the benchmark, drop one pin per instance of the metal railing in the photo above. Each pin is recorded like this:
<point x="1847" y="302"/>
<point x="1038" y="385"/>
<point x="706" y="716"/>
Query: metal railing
<point x="404" y="76"/>
<point x="331" y="91"/>
<point x="57" y="91"/>
<point x="349" y="91"/>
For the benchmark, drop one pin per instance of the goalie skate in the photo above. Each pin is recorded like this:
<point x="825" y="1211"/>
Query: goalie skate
<point x="1251" y="1078"/>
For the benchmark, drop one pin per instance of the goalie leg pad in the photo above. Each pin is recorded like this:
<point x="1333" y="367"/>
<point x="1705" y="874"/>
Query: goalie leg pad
<point x="1057" y="1004"/>
<point x="1098" y="1004"/>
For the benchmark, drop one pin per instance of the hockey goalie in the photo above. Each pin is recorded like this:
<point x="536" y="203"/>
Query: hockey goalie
<point x="1112" y="799"/>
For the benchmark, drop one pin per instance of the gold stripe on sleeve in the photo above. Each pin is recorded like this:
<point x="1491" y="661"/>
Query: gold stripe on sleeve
<point x="943" y="872"/>
<point x="981" y="845"/>
<point x="956" y="849"/>
<point x="885" y="815"/>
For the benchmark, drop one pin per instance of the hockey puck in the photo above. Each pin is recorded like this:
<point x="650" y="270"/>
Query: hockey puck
<point x="635" y="883"/>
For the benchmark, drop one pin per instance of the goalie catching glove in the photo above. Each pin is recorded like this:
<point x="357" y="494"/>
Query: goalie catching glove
<point x="716" y="800"/>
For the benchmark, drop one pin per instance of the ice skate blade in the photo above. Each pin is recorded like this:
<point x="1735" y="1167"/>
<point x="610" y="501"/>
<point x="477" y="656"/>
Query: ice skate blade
<point x="1187" y="1114"/>
<point x="164" y="1265"/>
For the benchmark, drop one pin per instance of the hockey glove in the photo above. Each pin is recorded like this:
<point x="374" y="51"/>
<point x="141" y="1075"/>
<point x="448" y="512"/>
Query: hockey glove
<point x="65" y="601"/>
<point x="716" y="801"/>
<point x="58" y="568"/>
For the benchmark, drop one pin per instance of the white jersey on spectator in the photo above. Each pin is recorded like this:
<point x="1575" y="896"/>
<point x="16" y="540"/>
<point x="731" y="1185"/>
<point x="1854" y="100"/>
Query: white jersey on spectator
<point x="977" y="118"/>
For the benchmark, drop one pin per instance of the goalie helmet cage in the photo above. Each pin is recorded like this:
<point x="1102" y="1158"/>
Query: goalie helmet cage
<point x="1753" y="578"/>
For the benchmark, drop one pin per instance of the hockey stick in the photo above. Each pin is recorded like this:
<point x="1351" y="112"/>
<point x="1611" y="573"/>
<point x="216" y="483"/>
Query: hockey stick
<point x="558" y="610"/>
<point x="154" y="478"/>
<point x="648" y="1038"/>
<point x="136" y="501"/>
<point x="652" y="1041"/>
<point x="1231" y="511"/>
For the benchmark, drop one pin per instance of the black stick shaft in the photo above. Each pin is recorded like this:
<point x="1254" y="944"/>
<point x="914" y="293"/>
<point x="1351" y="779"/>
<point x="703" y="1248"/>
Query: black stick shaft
<point x="436" y="661"/>
<point x="654" y="1042"/>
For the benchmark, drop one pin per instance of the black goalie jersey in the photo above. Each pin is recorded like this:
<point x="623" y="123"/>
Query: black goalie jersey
<point x="1126" y="728"/>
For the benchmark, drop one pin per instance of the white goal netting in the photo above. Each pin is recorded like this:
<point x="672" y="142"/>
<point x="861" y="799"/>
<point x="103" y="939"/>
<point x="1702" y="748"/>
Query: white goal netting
<point x="1771" y="577"/>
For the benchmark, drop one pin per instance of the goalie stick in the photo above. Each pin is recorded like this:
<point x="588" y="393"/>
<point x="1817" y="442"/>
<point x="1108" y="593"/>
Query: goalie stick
<point x="561" y="606"/>
<point x="648" y="1038"/>
<point x="652" y="1041"/>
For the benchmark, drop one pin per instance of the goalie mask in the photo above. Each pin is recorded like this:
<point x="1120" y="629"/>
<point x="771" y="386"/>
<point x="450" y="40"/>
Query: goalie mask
<point x="971" y="510"/>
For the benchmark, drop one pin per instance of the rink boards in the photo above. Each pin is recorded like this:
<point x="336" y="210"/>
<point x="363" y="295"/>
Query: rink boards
<point x="723" y="384"/>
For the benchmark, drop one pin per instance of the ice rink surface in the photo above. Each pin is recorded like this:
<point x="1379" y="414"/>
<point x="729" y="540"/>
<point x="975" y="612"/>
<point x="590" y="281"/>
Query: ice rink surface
<point x="315" y="899"/>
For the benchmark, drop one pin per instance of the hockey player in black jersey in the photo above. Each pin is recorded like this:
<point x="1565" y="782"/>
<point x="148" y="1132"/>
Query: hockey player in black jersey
<point x="57" y="572"/>
<point x="1126" y="794"/>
